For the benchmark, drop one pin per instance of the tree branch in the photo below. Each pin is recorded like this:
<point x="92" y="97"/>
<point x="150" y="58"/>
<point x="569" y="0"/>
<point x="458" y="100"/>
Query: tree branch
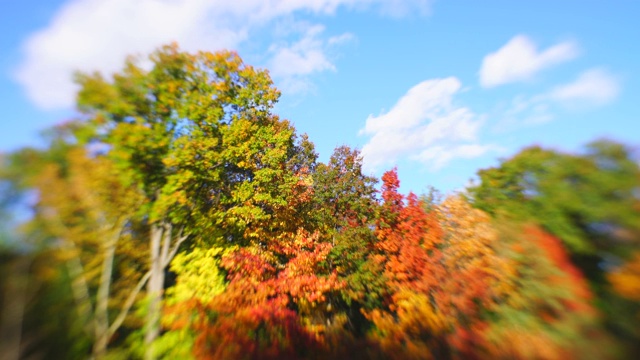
<point x="172" y="253"/>
<point x="127" y="305"/>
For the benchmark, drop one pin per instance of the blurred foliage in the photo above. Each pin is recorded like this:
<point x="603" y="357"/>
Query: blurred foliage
<point x="590" y="202"/>
<point x="180" y="218"/>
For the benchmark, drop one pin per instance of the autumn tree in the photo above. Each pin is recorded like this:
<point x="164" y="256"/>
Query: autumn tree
<point x="476" y="277"/>
<point x="274" y="304"/>
<point x="547" y="312"/>
<point x="345" y="208"/>
<point x="589" y="201"/>
<point x="82" y="215"/>
<point x="196" y="136"/>
<point x="408" y="325"/>
<point x="456" y="289"/>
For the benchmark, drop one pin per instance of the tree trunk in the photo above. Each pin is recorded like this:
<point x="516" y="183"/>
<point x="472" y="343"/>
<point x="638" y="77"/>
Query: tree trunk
<point x="161" y="252"/>
<point x="102" y="301"/>
<point x="159" y="232"/>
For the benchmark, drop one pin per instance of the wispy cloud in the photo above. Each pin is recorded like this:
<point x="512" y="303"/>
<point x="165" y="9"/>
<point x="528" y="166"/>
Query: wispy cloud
<point x="293" y="62"/>
<point x="439" y="156"/>
<point x="398" y="8"/>
<point x="594" y="87"/>
<point x="424" y="125"/>
<point x="519" y="60"/>
<point x="89" y="35"/>
<point x="523" y="111"/>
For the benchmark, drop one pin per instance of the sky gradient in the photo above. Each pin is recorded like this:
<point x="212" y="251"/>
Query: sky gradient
<point x="439" y="89"/>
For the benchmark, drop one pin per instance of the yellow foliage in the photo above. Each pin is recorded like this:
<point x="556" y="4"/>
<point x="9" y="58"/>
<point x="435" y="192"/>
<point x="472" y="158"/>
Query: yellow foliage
<point x="626" y="280"/>
<point x="413" y="331"/>
<point x="198" y="275"/>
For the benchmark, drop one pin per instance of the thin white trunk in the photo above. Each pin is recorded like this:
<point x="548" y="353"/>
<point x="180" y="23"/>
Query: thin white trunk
<point x="154" y="288"/>
<point x="80" y="289"/>
<point x="161" y="254"/>
<point x="141" y="283"/>
<point x="96" y="320"/>
<point x="102" y="301"/>
<point x="166" y="243"/>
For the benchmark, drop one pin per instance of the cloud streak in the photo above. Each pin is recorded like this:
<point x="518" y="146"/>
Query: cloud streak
<point x="594" y="87"/>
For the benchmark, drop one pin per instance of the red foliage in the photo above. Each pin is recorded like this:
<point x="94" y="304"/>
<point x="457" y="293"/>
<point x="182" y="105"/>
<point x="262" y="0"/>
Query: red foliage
<point x="260" y="315"/>
<point x="407" y="240"/>
<point x="407" y="249"/>
<point x="571" y="277"/>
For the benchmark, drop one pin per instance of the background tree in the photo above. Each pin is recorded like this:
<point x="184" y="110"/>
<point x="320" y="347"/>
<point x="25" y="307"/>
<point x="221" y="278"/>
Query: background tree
<point x="548" y="311"/>
<point x="589" y="201"/>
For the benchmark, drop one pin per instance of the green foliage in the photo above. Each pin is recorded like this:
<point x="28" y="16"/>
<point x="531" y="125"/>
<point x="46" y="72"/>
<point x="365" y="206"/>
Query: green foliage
<point x="589" y="201"/>
<point x="345" y="210"/>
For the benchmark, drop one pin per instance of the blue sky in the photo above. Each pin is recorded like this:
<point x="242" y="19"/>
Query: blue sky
<point x="438" y="88"/>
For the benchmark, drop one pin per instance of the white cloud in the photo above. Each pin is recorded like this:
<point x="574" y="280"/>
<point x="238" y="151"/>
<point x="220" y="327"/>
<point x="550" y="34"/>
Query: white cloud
<point x="423" y="125"/>
<point x="292" y="63"/>
<point x="302" y="57"/>
<point x="89" y="35"/>
<point x="519" y="60"/>
<point x="593" y="87"/>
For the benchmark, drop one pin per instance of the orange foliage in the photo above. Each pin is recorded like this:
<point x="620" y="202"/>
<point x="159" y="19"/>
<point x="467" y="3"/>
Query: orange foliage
<point x="626" y="279"/>
<point x="271" y="308"/>
<point x="476" y="276"/>
<point x="408" y="240"/>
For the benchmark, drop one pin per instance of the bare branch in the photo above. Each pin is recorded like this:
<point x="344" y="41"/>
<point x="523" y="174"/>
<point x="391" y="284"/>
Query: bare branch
<point x="181" y="239"/>
<point x="132" y="297"/>
<point x="127" y="305"/>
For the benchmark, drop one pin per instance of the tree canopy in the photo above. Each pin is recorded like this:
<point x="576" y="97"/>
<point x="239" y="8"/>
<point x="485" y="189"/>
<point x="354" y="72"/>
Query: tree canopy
<point x="179" y="217"/>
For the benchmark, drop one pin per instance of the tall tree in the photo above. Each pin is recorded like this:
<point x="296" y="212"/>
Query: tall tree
<point x="409" y="325"/>
<point x="195" y="134"/>
<point x="345" y="212"/>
